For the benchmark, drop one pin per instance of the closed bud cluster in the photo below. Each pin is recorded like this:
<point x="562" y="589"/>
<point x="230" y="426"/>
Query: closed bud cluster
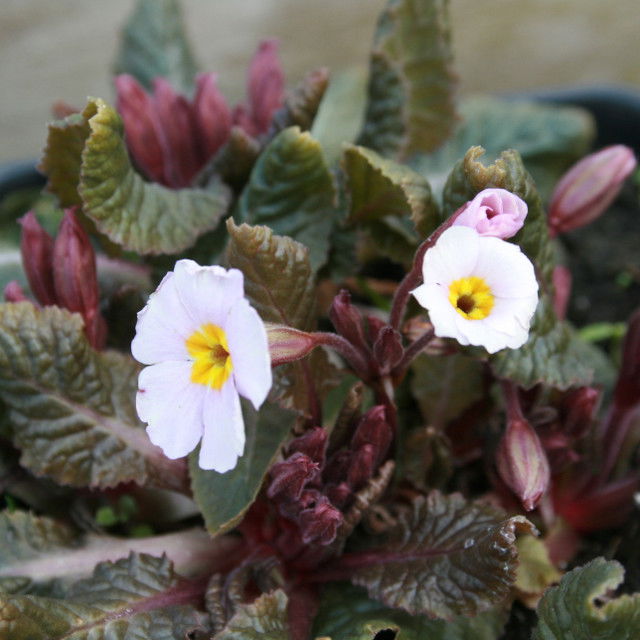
<point x="373" y="429"/>
<point x="289" y="477"/>
<point x="319" y="522"/>
<point x="63" y="272"/>
<point x="313" y="443"/>
<point x="347" y="320"/>
<point x="589" y="187"/>
<point x="388" y="349"/>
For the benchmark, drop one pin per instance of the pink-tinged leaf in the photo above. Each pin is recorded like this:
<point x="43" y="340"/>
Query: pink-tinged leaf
<point x="36" y="247"/>
<point x="211" y="113"/>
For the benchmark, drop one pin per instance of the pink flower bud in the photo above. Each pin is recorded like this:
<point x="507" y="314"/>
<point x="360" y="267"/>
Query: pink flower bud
<point x="373" y="429"/>
<point x="266" y="86"/>
<point x="13" y="292"/>
<point x="142" y="127"/>
<point x="36" y="246"/>
<point x="589" y="187"/>
<point x="362" y="467"/>
<point x="211" y="113"/>
<point x="347" y="319"/>
<point x="388" y="349"/>
<point x="339" y="494"/>
<point x="374" y="327"/>
<point x="287" y="344"/>
<point x="75" y="278"/>
<point x="313" y="444"/>
<point x="319" y="523"/>
<point x="289" y="477"/>
<point x="522" y="462"/>
<point x="493" y="212"/>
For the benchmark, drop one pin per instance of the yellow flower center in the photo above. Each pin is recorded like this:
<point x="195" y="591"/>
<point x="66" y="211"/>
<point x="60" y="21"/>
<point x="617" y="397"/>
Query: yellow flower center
<point x="471" y="297"/>
<point x="210" y="352"/>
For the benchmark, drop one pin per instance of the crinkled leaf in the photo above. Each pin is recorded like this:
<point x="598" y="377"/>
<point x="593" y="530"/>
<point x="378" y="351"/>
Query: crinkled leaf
<point x="379" y="188"/>
<point x="154" y="43"/>
<point x="280" y="285"/>
<point x="223" y="498"/>
<point x="137" y="597"/>
<point x="553" y="355"/>
<point x="411" y="81"/>
<point x="535" y="572"/>
<point x="549" y="138"/>
<point x="570" y="611"/>
<point x="139" y="216"/>
<point x="263" y="619"/>
<point x="63" y="156"/>
<point x="445" y="557"/>
<point x="72" y="409"/>
<point x="445" y="386"/>
<point x="291" y="190"/>
<point x="346" y="613"/>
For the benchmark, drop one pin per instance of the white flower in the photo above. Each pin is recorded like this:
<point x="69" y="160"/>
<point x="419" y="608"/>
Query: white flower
<point x="205" y="345"/>
<point x="479" y="290"/>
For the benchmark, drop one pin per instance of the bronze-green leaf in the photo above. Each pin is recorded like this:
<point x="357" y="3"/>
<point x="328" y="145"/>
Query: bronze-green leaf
<point x="411" y="80"/>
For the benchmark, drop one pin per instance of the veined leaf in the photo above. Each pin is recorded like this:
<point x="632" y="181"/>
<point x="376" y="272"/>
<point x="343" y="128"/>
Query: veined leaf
<point x="224" y="498"/>
<point x="71" y="408"/>
<point x="154" y="43"/>
<point x="570" y="612"/>
<point x="263" y="619"/>
<point x="291" y="190"/>
<point x="445" y="557"/>
<point x="346" y="613"/>
<point x="411" y="81"/>
<point x="139" y="596"/>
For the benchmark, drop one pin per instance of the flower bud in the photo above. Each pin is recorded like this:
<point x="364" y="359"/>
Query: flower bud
<point x="374" y="327"/>
<point x="319" y="523"/>
<point x="211" y="113"/>
<point x="362" y="467"/>
<point x="313" y="444"/>
<point x="373" y="429"/>
<point x="265" y="87"/>
<point x="36" y="246"/>
<point x="339" y="494"/>
<point x="493" y="212"/>
<point x="522" y="462"/>
<point x="347" y="319"/>
<point x="337" y="466"/>
<point x="289" y="477"/>
<point x="589" y="187"/>
<point x="287" y="344"/>
<point x="388" y="349"/>
<point x="13" y="292"/>
<point x="75" y="278"/>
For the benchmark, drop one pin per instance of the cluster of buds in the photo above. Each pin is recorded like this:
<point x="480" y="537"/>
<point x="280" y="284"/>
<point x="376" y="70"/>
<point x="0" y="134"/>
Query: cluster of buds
<point x="312" y="488"/>
<point x="61" y="272"/>
<point x="171" y="138"/>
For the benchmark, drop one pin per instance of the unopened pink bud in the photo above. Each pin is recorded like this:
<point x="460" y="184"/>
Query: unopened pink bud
<point x="373" y="429"/>
<point x="289" y="477"/>
<point x="388" y="349"/>
<point x="589" y="187"/>
<point x="319" y="523"/>
<point x="75" y="278"/>
<point x="313" y="443"/>
<point x="211" y="113"/>
<point x="13" y="292"/>
<point x="36" y="246"/>
<point x="363" y="466"/>
<point x="493" y="212"/>
<point x="287" y="344"/>
<point x="266" y="86"/>
<point x="522" y="462"/>
<point x="347" y="319"/>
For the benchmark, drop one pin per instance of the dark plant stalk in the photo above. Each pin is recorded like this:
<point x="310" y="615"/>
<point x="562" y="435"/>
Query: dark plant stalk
<point x="412" y="352"/>
<point x="353" y="356"/>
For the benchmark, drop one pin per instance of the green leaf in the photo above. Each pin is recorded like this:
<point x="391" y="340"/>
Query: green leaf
<point x="570" y="611"/>
<point x="72" y="409"/>
<point x="139" y="596"/>
<point x="263" y="619"/>
<point x="411" y="106"/>
<point x="291" y="190"/>
<point x="224" y="498"/>
<point x="154" y="43"/>
<point x="445" y="386"/>
<point x="536" y="572"/>
<point x="549" y="138"/>
<point x="346" y="613"/>
<point x="445" y="557"/>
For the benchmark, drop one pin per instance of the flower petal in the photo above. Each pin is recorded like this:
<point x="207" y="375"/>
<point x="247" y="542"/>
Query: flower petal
<point x="224" y="437"/>
<point x="454" y="256"/>
<point x="163" y="326"/>
<point x="172" y="406"/>
<point x="249" y="349"/>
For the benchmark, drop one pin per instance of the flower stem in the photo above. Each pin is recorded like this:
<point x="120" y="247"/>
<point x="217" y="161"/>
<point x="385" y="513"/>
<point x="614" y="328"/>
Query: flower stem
<point x="412" y="351"/>
<point x="358" y="362"/>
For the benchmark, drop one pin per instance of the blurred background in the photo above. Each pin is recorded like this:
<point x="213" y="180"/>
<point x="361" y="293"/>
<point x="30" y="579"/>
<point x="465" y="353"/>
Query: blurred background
<point x="64" y="49"/>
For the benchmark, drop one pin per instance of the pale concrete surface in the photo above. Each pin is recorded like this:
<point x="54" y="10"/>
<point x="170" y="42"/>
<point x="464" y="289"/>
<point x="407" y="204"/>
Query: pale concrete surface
<point x="63" y="49"/>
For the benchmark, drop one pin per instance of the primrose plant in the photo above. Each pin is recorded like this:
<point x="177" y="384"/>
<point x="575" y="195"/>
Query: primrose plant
<point x="265" y="380"/>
